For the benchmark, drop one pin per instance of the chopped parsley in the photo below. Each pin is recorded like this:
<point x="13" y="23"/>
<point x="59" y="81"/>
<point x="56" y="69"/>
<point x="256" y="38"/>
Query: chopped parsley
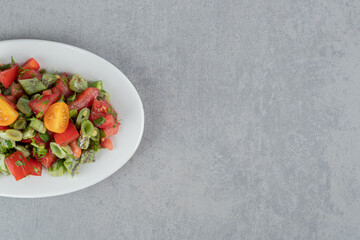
<point x="99" y="121"/>
<point x="44" y="136"/>
<point x="19" y="163"/>
<point x="5" y="66"/>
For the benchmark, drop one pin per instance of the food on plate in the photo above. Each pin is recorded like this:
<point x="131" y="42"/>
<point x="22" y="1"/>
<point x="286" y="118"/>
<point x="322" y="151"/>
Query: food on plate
<point x="51" y="120"/>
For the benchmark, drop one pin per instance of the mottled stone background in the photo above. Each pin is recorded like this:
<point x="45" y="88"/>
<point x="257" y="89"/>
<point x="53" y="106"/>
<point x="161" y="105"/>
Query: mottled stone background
<point x="252" y="119"/>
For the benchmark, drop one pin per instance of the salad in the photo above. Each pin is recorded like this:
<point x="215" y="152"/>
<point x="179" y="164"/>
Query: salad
<point x="51" y="120"/>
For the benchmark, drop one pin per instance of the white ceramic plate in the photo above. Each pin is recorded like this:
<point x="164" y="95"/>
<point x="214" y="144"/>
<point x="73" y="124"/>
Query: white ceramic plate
<point x="125" y="99"/>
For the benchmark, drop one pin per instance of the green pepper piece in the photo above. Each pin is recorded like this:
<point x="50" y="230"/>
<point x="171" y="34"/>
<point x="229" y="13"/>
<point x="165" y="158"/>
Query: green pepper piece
<point x="57" y="150"/>
<point x="87" y="128"/>
<point x="23" y="106"/>
<point x="20" y="124"/>
<point x="96" y="84"/>
<point x="102" y="95"/>
<point x="7" y="143"/>
<point x="57" y="169"/>
<point x="32" y="85"/>
<point x="83" y="142"/>
<point x="87" y="156"/>
<point x="23" y="150"/>
<point x="14" y="135"/>
<point x="72" y="165"/>
<point x="82" y="116"/>
<point x="48" y="79"/>
<point x="96" y="134"/>
<point x="68" y="150"/>
<point x="3" y="169"/>
<point x="78" y="83"/>
<point x="38" y="125"/>
<point x="29" y="132"/>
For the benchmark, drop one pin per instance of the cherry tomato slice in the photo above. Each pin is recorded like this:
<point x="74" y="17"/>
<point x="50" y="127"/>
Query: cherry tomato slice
<point x="56" y="118"/>
<point x="8" y="114"/>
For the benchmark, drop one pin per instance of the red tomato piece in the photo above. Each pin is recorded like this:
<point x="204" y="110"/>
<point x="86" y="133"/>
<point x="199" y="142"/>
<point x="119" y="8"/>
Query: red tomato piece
<point x="62" y="86"/>
<point x="4" y="127"/>
<point x="26" y="140"/>
<point x="37" y="167"/>
<point x="27" y="74"/>
<point x="31" y="64"/>
<point x="85" y="99"/>
<point x="8" y="101"/>
<point x="111" y="130"/>
<point x="47" y="92"/>
<point x="18" y="165"/>
<point x="11" y="98"/>
<point x="16" y="90"/>
<point x="39" y="106"/>
<point x="104" y="109"/>
<point x="109" y="121"/>
<point x="48" y="160"/>
<point x="7" y="76"/>
<point x="70" y="134"/>
<point x="107" y="143"/>
<point x="76" y="149"/>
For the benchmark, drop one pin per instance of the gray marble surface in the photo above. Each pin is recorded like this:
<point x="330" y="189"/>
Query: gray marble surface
<point x="252" y="119"/>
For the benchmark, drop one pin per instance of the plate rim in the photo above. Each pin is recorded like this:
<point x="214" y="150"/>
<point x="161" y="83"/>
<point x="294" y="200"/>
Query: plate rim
<point x="142" y="112"/>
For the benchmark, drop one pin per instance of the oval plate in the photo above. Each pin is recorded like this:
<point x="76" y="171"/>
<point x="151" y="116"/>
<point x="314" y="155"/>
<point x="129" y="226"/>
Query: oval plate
<point x="60" y="57"/>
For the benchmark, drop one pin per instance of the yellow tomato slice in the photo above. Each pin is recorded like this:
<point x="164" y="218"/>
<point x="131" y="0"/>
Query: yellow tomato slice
<point x="56" y="118"/>
<point x="8" y="114"/>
